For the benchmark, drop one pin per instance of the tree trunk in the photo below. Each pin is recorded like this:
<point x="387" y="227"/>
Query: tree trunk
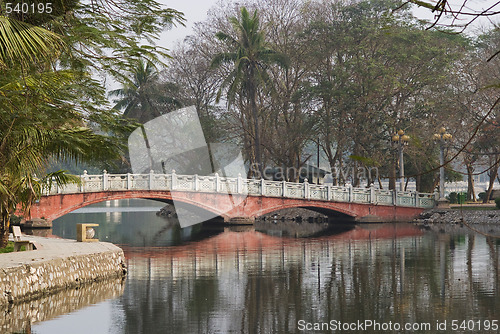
<point x="255" y="115"/>
<point x="4" y="231"/>
<point x="493" y="175"/>
<point x="471" y="193"/>
<point x="148" y="148"/>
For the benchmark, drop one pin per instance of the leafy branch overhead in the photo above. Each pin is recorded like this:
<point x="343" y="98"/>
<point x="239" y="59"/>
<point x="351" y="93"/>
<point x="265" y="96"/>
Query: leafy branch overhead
<point x="52" y="105"/>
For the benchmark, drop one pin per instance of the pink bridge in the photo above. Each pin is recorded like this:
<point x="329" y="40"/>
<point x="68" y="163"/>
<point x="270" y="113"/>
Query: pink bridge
<point x="218" y="195"/>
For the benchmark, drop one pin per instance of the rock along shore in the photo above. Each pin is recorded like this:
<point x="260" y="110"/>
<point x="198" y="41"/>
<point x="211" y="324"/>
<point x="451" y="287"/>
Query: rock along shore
<point x="454" y="216"/>
<point x="57" y="264"/>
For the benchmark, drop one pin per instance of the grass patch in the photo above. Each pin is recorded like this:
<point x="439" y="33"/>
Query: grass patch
<point x="9" y="248"/>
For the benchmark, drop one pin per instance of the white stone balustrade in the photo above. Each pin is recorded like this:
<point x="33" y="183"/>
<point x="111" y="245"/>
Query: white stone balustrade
<point x="250" y="187"/>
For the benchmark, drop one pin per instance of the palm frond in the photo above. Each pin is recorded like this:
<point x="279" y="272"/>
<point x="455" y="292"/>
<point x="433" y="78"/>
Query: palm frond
<point x="25" y="43"/>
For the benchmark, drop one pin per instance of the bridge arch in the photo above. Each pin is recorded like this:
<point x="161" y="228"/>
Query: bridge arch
<point x="329" y="211"/>
<point x="53" y="207"/>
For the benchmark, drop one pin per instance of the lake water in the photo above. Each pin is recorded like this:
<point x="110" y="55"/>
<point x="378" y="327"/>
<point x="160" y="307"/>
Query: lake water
<point x="391" y="278"/>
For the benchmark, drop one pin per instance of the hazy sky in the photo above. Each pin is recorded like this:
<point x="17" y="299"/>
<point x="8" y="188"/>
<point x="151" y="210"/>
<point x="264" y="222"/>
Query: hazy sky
<point x="196" y="10"/>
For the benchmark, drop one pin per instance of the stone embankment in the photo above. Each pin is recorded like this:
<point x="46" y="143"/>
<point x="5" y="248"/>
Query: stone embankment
<point x="455" y="216"/>
<point x="456" y="221"/>
<point x="57" y="264"/>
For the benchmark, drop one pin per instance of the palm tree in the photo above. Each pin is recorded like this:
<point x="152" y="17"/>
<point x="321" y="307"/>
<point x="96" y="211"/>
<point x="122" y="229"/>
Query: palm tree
<point x="38" y="121"/>
<point x="143" y="97"/>
<point x="27" y="142"/>
<point x="250" y="57"/>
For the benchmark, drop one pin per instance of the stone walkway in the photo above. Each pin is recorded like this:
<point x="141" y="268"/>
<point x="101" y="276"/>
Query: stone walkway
<point x="52" y="248"/>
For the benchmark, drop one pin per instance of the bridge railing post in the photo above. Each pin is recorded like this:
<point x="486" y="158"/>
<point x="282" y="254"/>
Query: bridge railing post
<point x="283" y="192"/>
<point x="104" y="180"/>
<point x="239" y="184"/>
<point x="174" y="179"/>
<point x="394" y="197"/>
<point x="217" y="182"/>
<point x="196" y="182"/>
<point x="151" y="179"/>
<point x="416" y="199"/>
<point x="329" y="192"/>
<point x="262" y="187"/>
<point x="373" y="198"/>
<point x="83" y="179"/>
<point x="306" y="189"/>
<point x="129" y="181"/>
<point x="351" y="194"/>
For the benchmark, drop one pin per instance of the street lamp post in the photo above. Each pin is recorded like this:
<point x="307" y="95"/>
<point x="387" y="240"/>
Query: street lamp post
<point x="442" y="137"/>
<point x="401" y="140"/>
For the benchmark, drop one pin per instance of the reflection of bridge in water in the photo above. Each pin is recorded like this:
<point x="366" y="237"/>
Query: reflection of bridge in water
<point x="251" y="250"/>
<point x="370" y="272"/>
<point x="235" y="199"/>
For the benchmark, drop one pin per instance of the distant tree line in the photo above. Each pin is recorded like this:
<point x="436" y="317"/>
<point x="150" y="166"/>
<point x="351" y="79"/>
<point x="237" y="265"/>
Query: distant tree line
<point x="279" y="76"/>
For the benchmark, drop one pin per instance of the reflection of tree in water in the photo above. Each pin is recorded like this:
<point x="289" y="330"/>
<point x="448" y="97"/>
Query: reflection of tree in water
<point x="262" y="284"/>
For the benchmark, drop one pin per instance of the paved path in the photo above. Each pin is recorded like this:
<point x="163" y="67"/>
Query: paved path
<point x="52" y="248"/>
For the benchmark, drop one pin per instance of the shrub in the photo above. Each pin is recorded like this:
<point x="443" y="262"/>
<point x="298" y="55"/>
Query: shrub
<point x="453" y="196"/>
<point x="481" y="195"/>
<point x="8" y="249"/>
<point x="497" y="202"/>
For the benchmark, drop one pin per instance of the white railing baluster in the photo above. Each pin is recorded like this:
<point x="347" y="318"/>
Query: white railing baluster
<point x="239" y="184"/>
<point x="115" y="182"/>
<point x="83" y="180"/>
<point x="151" y="179"/>
<point x="105" y="180"/>
<point x="195" y="181"/>
<point x="174" y="179"/>
<point x="306" y="189"/>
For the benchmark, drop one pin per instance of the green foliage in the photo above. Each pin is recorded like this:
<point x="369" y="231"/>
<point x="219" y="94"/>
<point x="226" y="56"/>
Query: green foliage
<point x="250" y="57"/>
<point x="15" y="220"/>
<point x="453" y="197"/>
<point x="23" y="43"/>
<point x="142" y="96"/>
<point x="51" y="108"/>
<point x="452" y="176"/>
<point x="9" y="248"/>
<point x="497" y="202"/>
<point x="481" y="196"/>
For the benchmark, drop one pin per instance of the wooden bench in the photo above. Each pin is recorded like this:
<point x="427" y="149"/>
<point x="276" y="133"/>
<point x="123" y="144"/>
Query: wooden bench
<point x="18" y="242"/>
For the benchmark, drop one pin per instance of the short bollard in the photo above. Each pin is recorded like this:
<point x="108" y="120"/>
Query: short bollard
<point x="85" y="232"/>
